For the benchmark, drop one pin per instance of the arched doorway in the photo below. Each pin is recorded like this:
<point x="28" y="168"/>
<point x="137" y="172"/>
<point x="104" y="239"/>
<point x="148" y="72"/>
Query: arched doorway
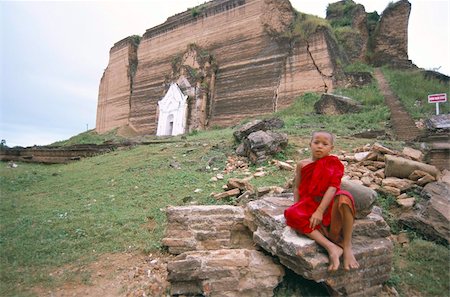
<point x="172" y="112"/>
<point x="169" y="125"/>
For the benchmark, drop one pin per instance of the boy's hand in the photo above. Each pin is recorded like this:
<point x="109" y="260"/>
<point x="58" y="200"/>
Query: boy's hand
<point x="315" y="219"/>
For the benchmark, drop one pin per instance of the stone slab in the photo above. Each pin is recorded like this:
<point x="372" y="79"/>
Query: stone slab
<point x="372" y="248"/>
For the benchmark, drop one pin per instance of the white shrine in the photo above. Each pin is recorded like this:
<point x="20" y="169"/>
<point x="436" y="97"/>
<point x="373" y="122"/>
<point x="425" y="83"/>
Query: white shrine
<point x="172" y="112"/>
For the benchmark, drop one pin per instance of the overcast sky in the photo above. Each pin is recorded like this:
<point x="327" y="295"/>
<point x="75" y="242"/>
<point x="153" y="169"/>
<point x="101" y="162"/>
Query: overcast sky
<point x="53" y="54"/>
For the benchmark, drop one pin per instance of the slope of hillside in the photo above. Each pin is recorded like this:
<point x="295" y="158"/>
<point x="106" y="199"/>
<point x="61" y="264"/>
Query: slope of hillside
<point x="58" y="221"/>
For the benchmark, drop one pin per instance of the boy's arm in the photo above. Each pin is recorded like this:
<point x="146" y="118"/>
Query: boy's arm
<point x="298" y="170"/>
<point x="317" y="216"/>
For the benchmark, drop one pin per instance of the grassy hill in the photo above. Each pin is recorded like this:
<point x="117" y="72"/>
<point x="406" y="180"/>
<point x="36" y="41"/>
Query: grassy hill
<point x="52" y="215"/>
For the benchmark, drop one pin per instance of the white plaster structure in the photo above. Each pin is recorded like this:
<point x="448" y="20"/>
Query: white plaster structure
<point x="172" y="112"/>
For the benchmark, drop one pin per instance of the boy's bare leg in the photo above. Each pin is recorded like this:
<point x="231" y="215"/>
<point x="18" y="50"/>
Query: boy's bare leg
<point x="334" y="251"/>
<point x="347" y="229"/>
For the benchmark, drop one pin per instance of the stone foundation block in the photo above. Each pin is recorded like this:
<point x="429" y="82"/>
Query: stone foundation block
<point x="226" y="272"/>
<point x="206" y="227"/>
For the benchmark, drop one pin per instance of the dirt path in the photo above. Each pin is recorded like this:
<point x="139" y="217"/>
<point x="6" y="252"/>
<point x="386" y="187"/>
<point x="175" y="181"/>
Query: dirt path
<point x="402" y="124"/>
<point x="114" y="275"/>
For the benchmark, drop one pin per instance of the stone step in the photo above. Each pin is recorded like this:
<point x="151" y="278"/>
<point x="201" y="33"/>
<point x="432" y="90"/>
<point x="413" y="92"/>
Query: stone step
<point x="403" y="125"/>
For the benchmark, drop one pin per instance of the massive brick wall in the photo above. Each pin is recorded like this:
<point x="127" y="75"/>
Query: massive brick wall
<point x="310" y="68"/>
<point x="257" y="73"/>
<point x="391" y="37"/>
<point x="113" y="107"/>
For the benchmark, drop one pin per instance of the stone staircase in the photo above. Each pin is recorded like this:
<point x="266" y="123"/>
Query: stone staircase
<point x="403" y="125"/>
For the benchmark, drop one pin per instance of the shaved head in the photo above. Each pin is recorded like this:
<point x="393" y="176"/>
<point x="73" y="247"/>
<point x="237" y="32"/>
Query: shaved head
<point x="330" y="135"/>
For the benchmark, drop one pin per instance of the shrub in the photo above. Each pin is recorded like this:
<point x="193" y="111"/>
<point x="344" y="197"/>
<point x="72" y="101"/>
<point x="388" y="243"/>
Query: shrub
<point x="305" y="25"/>
<point x="341" y="12"/>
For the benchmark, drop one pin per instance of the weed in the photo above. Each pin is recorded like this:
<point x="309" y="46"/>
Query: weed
<point x="306" y="25"/>
<point x="197" y="10"/>
<point x="387" y="202"/>
<point x="136" y="39"/>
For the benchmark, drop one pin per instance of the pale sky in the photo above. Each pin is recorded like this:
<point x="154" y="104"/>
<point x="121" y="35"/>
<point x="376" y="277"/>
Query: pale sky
<point x="53" y="55"/>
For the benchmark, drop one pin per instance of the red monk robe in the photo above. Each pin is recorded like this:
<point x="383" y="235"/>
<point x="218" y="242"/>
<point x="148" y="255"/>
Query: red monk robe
<point x="316" y="178"/>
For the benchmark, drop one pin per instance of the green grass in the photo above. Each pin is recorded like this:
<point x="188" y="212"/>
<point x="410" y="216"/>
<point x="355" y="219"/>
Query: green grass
<point x="421" y="269"/>
<point x="90" y="137"/>
<point x="300" y="118"/>
<point x="368" y="95"/>
<point x="388" y="203"/>
<point x="358" y="67"/>
<point x="60" y="214"/>
<point x="413" y="89"/>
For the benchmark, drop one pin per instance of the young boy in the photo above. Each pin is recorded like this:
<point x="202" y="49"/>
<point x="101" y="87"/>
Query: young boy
<point x="321" y="210"/>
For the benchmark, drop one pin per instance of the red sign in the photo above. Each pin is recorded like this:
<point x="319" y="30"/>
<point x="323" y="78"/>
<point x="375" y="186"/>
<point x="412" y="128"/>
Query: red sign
<point x="436" y="98"/>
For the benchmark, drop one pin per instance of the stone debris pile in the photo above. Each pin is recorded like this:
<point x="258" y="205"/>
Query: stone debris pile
<point x="389" y="171"/>
<point x="218" y="247"/>
<point x="237" y="163"/>
<point x="421" y="190"/>
<point x="375" y="166"/>
<point x="242" y="189"/>
<point x="258" y="142"/>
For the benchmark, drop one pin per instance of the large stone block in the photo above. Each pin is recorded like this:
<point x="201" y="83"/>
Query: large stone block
<point x="302" y="255"/>
<point x="364" y="197"/>
<point x="330" y="104"/>
<point x="227" y="272"/>
<point x="402" y="168"/>
<point x="260" y="145"/>
<point x="256" y="125"/>
<point x="431" y="215"/>
<point x="206" y="227"/>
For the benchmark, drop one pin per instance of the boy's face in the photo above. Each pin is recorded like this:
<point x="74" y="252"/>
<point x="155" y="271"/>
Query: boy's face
<point x="321" y="145"/>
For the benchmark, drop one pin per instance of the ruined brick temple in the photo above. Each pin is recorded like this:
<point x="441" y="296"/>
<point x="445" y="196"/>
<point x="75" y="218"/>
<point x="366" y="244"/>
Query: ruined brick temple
<point x="225" y="60"/>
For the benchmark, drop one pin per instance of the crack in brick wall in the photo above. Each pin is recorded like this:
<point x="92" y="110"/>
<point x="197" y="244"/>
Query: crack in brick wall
<point x="317" y="68"/>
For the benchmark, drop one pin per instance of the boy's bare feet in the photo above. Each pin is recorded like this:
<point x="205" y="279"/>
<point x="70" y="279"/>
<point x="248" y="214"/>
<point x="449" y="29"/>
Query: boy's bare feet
<point x="350" y="260"/>
<point x="334" y="253"/>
